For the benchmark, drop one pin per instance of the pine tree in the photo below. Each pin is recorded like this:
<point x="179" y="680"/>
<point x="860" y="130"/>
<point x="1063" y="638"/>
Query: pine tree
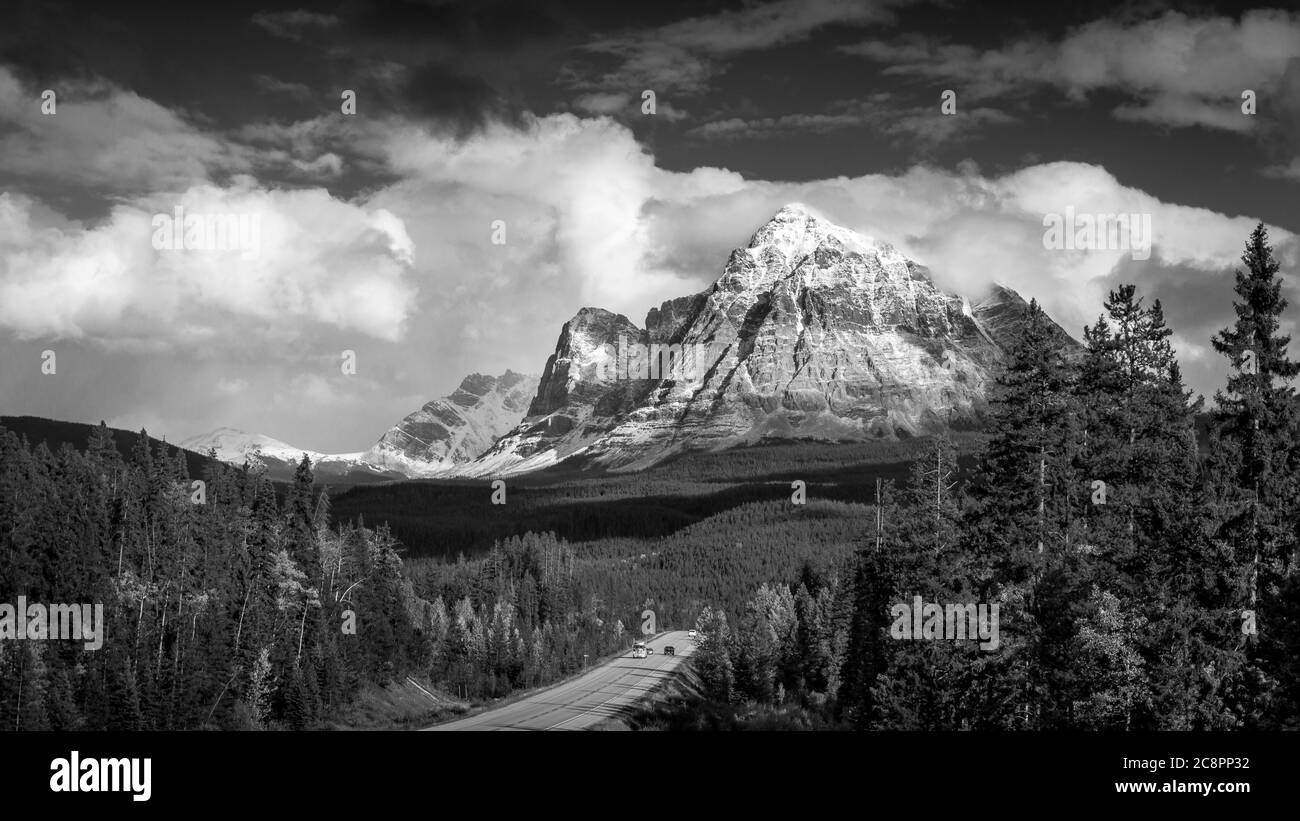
<point x="1256" y="433"/>
<point x="712" y="656"/>
<point x="1020" y="530"/>
<point x="1025" y="474"/>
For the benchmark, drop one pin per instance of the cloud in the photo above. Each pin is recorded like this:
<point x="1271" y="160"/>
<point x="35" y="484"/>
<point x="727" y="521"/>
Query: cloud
<point x="603" y="103"/>
<point x="592" y="220"/>
<point x="278" y="86"/>
<point x="682" y="56"/>
<point x="1178" y="70"/>
<point x="569" y="190"/>
<point x="407" y="274"/>
<point x="624" y="107"/>
<point x="101" y="136"/>
<point x="924" y="125"/>
<point x="292" y="24"/>
<point x="1290" y="171"/>
<point x="1182" y="111"/>
<point x="312" y="261"/>
<point x="111" y="143"/>
<point x="759" y="27"/>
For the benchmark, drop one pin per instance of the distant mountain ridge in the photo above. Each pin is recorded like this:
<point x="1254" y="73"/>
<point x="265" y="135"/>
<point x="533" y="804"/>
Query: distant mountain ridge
<point x="432" y="441"/>
<point x="454" y="430"/>
<point x="811" y="332"/>
<point x="235" y="447"/>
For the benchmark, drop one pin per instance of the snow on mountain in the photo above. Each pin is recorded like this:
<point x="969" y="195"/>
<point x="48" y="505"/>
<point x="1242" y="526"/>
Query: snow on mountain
<point x="281" y="459"/>
<point x="234" y="446"/>
<point x="432" y="441"/>
<point x="454" y="430"/>
<point x="812" y="331"/>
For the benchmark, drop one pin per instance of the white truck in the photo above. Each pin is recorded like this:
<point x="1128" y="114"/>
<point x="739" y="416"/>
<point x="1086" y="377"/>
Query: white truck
<point x="640" y="650"/>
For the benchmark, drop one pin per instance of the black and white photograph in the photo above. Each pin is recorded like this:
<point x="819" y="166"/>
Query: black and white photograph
<point x="855" y="373"/>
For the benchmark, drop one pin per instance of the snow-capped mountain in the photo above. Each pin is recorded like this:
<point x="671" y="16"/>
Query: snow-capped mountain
<point x="281" y="459"/>
<point x="812" y="331"/>
<point x="432" y="441"/>
<point x="235" y="446"/>
<point x="454" y="430"/>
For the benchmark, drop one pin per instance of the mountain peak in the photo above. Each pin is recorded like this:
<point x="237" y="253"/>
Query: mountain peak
<point x="455" y="428"/>
<point x="796" y="231"/>
<point x="813" y="331"/>
<point x="795" y="209"/>
<point x="595" y="323"/>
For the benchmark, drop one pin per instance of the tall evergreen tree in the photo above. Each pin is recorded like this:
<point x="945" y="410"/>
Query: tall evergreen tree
<point x="1259" y="445"/>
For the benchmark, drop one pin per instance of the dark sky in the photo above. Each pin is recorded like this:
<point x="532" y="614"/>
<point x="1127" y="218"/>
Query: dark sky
<point x="376" y="226"/>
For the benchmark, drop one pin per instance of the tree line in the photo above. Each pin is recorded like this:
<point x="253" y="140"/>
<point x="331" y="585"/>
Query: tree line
<point x="1144" y="580"/>
<point x="1145" y="576"/>
<point x="225" y="605"/>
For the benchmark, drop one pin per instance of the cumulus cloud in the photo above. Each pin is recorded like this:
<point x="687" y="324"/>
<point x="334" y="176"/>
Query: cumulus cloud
<point x="592" y="220"/>
<point x="973" y="230"/>
<point x="408" y="274"/>
<point x="567" y="188"/>
<point x="313" y="260"/>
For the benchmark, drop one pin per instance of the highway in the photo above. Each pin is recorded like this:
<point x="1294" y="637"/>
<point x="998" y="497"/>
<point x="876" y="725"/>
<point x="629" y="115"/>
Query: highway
<point x="585" y="701"/>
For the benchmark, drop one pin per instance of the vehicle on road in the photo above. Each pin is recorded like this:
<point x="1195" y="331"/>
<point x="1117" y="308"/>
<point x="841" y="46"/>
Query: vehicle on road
<point x="691" y="634"/>
<point x="670" y="650"/>
<point x="639" y="650"/>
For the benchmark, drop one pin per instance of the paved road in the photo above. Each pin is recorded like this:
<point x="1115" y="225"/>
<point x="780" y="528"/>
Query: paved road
<point x="589" y="699"/>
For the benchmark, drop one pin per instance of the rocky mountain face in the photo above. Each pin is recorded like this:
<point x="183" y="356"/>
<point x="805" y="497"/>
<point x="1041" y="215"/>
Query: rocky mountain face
<point x="432" y="441"/>
<point x="812" y="331"/>
<point x="454" y="430"/>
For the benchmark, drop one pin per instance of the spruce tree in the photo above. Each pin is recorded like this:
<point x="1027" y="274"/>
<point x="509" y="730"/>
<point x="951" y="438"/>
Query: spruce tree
<point x="1019" y="529"/>
<point x="1256" y="433"/>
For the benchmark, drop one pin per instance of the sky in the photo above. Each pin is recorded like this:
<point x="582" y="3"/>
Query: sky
<point x="501" y="168"/>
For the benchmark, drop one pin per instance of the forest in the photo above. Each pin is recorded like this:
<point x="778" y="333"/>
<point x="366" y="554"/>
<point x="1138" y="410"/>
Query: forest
<point x="1146" y="579"/>
<point x="1141" y="550"/>
<point x="226" y="605"/>
<point x="444" y="518"/>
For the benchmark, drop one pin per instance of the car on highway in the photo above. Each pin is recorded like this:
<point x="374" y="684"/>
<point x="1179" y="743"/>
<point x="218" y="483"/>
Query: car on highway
<point x="670" y="650"/>
<point x="691" y="634"/>
<point x="639" y="650"/>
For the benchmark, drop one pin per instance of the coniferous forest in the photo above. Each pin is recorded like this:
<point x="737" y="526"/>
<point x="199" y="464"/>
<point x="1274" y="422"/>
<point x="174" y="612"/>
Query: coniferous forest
<point x="1144" y="581"/>
<point x="1144" y="563"/>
